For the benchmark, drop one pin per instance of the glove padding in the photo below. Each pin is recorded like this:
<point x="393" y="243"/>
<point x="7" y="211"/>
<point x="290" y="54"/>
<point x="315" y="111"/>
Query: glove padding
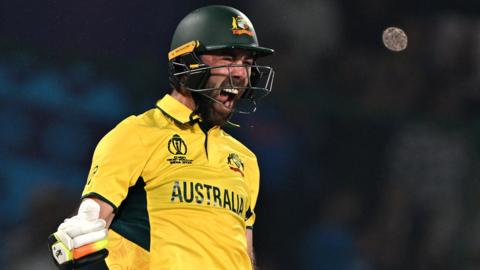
<point x="80" y="240"/>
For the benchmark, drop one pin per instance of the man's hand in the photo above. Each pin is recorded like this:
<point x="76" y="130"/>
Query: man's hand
<point x="80" y="240"/>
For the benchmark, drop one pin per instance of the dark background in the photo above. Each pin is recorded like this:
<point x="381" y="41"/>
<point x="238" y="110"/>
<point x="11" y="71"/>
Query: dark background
<point x="369" y="158"/>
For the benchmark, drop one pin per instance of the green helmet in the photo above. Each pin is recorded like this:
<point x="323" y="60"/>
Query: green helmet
<point x="214" y="28"/>
<point x="217" y="27"/>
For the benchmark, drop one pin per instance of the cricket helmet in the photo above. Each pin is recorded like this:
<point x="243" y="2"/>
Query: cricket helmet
<point x="210" y="29"/>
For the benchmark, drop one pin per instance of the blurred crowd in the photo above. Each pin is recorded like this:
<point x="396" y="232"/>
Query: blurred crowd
<point x="369" y="158"/>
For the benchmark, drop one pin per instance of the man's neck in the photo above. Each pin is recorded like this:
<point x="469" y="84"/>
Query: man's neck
<point x="184" y="97"/>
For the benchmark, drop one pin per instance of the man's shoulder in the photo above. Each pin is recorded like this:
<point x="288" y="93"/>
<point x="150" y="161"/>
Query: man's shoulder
<point x="150" y="118"/>
<point x="141" y="125"/>
<point x="235" y="143"/>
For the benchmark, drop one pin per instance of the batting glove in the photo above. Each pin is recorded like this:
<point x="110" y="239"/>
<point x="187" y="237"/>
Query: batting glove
<point x="80" y="240"/>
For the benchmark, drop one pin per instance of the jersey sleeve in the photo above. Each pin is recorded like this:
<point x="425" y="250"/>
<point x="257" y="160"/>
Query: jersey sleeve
<point x="253" y="180"/>
<point x="117" y="163"/>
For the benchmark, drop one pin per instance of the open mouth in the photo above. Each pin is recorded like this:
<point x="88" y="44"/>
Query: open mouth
<point x="230" y="91"/>
<point x="227" y="96"/>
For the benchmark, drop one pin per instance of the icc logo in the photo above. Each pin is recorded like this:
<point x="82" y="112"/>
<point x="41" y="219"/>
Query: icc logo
<point x="177" y="146"/>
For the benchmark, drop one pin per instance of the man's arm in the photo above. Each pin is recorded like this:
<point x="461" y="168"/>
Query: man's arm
<point x="106" y="211"/>
<point x="249" y="235"/>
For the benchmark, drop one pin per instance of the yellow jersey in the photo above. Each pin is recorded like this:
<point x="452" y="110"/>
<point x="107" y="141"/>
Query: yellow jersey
<point x="183" y="197"/>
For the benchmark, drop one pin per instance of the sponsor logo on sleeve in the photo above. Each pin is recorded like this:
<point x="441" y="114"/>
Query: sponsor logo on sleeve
<point x="94" y="171"/>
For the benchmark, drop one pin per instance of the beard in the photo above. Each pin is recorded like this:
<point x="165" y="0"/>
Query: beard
<point x="207" y="110"/>
<point x="215" y="113"/>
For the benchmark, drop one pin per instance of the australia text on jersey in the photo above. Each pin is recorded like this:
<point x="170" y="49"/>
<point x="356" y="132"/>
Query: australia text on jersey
<point x="200" y="193"/>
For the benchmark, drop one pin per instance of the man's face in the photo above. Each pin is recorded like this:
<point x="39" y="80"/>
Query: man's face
<point x="230" y="81"/>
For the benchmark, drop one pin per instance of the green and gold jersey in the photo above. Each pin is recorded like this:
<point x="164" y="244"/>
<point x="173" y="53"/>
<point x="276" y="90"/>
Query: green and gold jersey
<point x="183" y="198"/>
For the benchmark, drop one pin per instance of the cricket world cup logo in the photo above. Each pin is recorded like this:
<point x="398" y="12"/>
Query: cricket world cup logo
<point x="177" y="146"/>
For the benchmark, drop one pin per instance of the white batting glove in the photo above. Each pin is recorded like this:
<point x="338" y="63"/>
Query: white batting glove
<point x="81" y="239"/>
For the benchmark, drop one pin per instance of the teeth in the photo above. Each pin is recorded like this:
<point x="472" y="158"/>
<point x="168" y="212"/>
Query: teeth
<point x="231" y="90"/>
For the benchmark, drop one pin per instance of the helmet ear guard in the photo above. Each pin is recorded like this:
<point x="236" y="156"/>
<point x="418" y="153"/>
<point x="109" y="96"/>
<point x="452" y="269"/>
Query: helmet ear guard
<point x="188" y="71"/>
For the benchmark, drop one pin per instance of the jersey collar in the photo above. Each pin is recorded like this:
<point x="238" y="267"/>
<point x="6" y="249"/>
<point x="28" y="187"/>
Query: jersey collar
<point x="181" y="113"/>
<point x="176" y="110"/>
